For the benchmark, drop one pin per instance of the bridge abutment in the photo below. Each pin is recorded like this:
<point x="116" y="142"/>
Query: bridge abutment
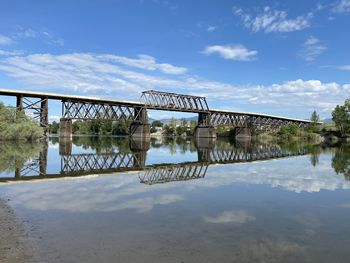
<point x="66" y="128"/>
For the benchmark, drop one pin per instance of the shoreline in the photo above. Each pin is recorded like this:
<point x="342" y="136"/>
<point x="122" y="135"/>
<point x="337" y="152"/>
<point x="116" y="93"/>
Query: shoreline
<point x="15" y="244"/>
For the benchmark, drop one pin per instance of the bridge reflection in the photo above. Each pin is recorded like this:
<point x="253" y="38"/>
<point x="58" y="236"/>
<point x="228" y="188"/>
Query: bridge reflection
<point x="133" y="158"/>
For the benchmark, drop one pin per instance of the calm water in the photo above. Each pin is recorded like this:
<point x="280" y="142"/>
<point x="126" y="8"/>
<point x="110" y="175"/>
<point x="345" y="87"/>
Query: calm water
<point x="115" y="200"/>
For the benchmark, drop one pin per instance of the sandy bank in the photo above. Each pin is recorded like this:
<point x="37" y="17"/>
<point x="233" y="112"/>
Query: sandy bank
<point x="15" y="244"/>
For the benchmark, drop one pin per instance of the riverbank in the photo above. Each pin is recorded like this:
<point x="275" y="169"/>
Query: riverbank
<point x="15" y="244"/>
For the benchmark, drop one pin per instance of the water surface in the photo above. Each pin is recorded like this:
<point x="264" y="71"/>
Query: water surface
<point x="115" y="200"/>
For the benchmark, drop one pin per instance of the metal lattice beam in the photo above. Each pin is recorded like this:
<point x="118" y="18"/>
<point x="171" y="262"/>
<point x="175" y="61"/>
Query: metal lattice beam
<point x="37" y="108"/>
<point x="258" y="122"/>
<point x="91" y="110"/>
<point x="174" y="102"/>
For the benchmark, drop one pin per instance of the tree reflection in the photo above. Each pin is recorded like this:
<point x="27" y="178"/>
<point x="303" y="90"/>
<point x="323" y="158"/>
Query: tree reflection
<point x="14" y="155"/>
<point x="341" y="160"/>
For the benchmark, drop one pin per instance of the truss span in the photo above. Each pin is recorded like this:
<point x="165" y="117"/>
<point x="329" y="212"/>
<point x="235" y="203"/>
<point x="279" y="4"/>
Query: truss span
<point x="85" y="110"/>
<point x="256" y="120"/>
<point x="174" y="102"/>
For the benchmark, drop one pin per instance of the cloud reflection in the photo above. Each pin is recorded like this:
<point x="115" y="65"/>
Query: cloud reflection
<point x="233" y="217"/>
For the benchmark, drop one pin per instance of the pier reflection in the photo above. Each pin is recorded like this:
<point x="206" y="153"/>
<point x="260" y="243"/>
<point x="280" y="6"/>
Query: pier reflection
<point x="121" y="154"/>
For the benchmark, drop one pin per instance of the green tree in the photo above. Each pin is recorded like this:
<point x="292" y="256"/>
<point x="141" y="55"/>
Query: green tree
<point x="54" y="127"/>
<point x="15" y="125"/>
<point x="157" y="123"/>
<point x="341" y="117"/>
<point x="315" y="118"/>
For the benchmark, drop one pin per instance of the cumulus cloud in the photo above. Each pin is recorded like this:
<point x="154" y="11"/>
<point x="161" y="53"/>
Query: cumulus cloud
<point x="4" y="40"/>
<point x="341" y="6"/>
<point x="269" y="20"/>
<point x="110" y="74"/>
<point x="312" y="48"/>
<point x="232" y="52"/>
<point x="233" y="217"/>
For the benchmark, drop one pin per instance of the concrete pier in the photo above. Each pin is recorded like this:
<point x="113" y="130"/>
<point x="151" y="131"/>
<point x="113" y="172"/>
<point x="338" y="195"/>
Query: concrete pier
<point x="66" y="128"/>
<point x="205" y="132"/>
<point x="140" y="131"/>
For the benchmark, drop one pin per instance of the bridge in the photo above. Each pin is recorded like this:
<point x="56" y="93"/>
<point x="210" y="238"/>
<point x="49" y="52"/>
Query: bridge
<point x="75" y="165"/>
<point x="89" y="108"/>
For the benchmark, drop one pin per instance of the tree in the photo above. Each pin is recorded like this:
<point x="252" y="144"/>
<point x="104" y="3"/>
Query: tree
<point x="15" y="125"/>
<point x="54" y="127"/>
<point x="157" y="124"/>
<point x="314" y="117"/>
<point x="313" y="126"/>
<point x="341" y="117"/>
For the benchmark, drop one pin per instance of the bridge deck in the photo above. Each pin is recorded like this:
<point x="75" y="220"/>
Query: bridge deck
<point x="56" y="96"/>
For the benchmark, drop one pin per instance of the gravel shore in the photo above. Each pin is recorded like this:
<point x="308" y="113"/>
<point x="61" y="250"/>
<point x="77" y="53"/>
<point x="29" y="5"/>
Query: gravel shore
<point x="15" y="244"/>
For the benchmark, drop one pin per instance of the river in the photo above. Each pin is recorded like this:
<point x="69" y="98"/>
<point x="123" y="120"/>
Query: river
<point x="178" y="200"/>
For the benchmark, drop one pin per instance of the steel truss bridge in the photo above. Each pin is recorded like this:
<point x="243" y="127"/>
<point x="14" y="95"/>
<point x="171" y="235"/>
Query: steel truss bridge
<point x="73" y="165"/>
<point x="89" y="108"/>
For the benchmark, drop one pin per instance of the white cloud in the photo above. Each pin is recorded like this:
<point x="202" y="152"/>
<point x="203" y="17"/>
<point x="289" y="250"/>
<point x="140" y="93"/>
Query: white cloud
<point x="4" y="40"/>
<point x="101" y="74"/>
<point x="341" y="6"/>
<point x="312" y="48"/>
<point x="10" y="52"/>
<point x="146" y="62"/>
<point x="211" y="28"/>
<point x="344" y="67"/>
<point x="233" y="52"/>
<point x="22" y="32"/>
<point x="269" y="20"/>
<point x="52" y="39"/>
<point x="233" y="217"/>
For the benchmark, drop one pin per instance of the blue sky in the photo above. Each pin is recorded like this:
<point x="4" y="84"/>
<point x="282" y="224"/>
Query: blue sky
<point x="286" y="58"/>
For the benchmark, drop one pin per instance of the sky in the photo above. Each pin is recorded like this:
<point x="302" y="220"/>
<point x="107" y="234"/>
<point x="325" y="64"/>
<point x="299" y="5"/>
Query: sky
<point x="278" y="57"/>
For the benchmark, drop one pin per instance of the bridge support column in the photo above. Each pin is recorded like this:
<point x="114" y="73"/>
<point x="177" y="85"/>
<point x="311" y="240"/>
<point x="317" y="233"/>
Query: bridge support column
<point x="242" y="132"/>
<point x="66" y="128"/>
<point x="204" y="128"/>
<point x="140" y="129"/>
<point x="205" y="132"/>
<point x="19" y="103"/>
<point x="44" y="115"/>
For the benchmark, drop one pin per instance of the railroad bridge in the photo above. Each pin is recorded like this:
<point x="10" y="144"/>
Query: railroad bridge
<point x="89" y="108"/>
